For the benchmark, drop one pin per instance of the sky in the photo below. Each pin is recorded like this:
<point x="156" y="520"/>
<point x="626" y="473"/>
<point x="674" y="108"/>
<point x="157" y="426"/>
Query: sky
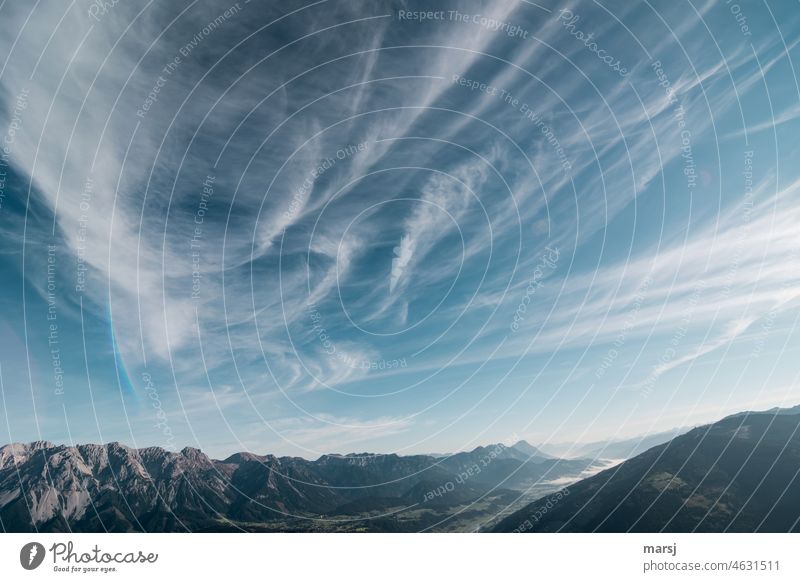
<point x="388" y="226"/>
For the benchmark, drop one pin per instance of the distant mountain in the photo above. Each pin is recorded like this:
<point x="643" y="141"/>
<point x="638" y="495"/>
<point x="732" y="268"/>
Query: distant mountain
<point x="627" y="448"/>
<point x="530" y="451"/>
<point x="525" y="451"/>
<point x="46" y="487"/>
<point x="739" y="474"/>
<point x="615" y="448"/>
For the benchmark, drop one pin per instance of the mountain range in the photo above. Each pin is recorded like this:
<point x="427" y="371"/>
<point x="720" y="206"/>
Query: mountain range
<point x="740" y="474"/>
<point x="111" y="487"/>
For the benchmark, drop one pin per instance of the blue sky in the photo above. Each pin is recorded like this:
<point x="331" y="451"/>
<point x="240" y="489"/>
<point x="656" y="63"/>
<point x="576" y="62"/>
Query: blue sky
<point x="348" y="226"/>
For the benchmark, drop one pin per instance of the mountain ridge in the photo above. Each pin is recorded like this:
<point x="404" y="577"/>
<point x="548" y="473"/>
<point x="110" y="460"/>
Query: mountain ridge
<point x="741" y="473"/>
<point x="93" y="487"/>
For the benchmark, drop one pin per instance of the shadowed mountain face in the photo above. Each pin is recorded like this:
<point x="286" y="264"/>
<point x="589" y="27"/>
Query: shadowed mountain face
<point x="44" y="487"/>
<point x="740" y="474"/>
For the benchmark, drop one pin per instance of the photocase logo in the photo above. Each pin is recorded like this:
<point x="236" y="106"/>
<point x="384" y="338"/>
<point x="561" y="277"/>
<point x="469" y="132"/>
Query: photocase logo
<point x="31" y="555"/>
